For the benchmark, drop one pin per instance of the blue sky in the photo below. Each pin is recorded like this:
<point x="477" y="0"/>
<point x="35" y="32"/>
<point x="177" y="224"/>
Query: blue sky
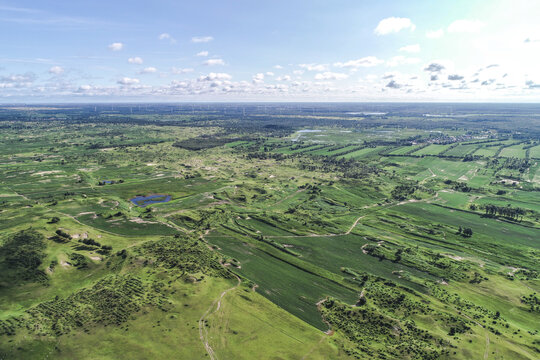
<point x="237" y="50"/>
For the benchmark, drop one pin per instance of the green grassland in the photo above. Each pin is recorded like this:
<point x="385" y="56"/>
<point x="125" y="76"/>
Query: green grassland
<point x="363" y="239"/>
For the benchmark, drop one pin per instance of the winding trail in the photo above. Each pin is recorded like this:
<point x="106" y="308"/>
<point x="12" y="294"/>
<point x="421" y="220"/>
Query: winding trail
<point x="288" y="197"/>
<point x="486" y="353"/>
<point x="354" y="224"/>
<point x="203" y="331"/>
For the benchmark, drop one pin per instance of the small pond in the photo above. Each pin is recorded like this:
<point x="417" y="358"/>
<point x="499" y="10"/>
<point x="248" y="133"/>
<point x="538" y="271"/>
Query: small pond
<point x="143" y="201"/>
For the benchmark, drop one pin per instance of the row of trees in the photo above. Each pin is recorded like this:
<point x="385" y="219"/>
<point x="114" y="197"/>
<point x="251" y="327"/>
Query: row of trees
<point x="508" y="211"/>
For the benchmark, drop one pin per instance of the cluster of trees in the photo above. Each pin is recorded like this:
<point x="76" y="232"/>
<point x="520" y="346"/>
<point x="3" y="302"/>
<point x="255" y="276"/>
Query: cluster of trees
<point x="533" y="301"/>
<point x="465" y="232"/>
<point x="60" y="236"/>
<point x="21" y="256"/>
<point x="78" y="260"/>
<point x="111" y="182"/>
<point x="458" y="186"/>
<point x="370" y="331"/>
<point x="104" y="249"/>
<point x="403" y="191"/>
<point x="509" y="212"/>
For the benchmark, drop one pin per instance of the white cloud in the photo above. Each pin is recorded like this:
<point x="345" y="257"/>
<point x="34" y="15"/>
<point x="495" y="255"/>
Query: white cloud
<point x="56" y="70"/>
<point x="434" y="34"/>
<point x="201" y="39"/>
<point x="202" y="53"/>
<point x="331" y="76"/>
<point x="117" y="46"/>
<point x="465" y="26"/>
<point x="135" y="60"/>
<point x="128" y="81"/>
<point x="298" y="72"/>
<point x="269" y="73"/>
<point x="212" y="62"/>
<point x="393" y="25"/>
<point x="167" y="36"/>
<point x="214" y="77"/>
<point x="148" y="70"/>
<point x="181" y="70"/>
<point x="314" y="67"/>
<point x="411" y="48"/>
<point x="402" y="60"/>
<point x="278" y="67"/>
<point x="367" y="61"/>
<point x="258" y="78"/>
<point x="17" y="80"/>
<point x="283" y="78"/>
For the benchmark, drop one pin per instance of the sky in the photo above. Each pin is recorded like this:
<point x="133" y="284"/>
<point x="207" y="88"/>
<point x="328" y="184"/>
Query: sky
<point x="245" y="50"/>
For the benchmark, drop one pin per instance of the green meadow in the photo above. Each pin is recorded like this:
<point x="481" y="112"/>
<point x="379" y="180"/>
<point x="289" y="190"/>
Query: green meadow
<point x="329" y="235"/>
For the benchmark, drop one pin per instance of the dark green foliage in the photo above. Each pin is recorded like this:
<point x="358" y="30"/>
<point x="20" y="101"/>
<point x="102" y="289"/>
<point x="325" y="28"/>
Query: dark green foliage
<point x="91" y="242"/>
<point x="378" y="336"/>
<point x="187" y="254"/>
<point x="63" y="234"/>
<point x="21" y="257"/>
<point x="205" y="142"/>
<point x="467" y="232"/>
<point x="533" y="301"/>
<point x="110" y="301"/>
<point x="402" y="192"/>
<point x="78" y="260"/>
<point x="54" y="220"/>
<point x="508" y="211"/>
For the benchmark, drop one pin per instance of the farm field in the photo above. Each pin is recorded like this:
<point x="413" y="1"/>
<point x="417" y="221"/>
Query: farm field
<point x="516" y="151"/>
<point x="290" y="232"/>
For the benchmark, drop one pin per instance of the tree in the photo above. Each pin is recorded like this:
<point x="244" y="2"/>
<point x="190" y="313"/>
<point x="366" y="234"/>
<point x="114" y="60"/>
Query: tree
<point x="467" y="232"/>
<point x="54" y="220"/>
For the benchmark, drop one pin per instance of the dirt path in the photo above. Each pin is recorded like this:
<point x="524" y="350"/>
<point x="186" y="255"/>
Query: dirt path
<point x="354" y="225"/>
<point x="203" y="331"/>
<point x="80" y="223"/>
<point x="288" y="197"/>
<point x="310" y="351"/>
<point x="486" y="353"/>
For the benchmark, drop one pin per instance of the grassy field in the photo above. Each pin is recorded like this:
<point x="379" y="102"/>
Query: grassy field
<point x="319" y="238"/>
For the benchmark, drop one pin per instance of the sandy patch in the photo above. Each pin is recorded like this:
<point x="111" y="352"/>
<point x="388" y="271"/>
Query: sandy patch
<point x="454" y="257"/>
<point x="510" y="181"/>
<point x="87" y="169"/>
<point x="96" y="258"/>
<point x="88" y="213"/>
<point x="513" y="270"/>
<point x="141" y="221"/>
<point x="41" y="173"/>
